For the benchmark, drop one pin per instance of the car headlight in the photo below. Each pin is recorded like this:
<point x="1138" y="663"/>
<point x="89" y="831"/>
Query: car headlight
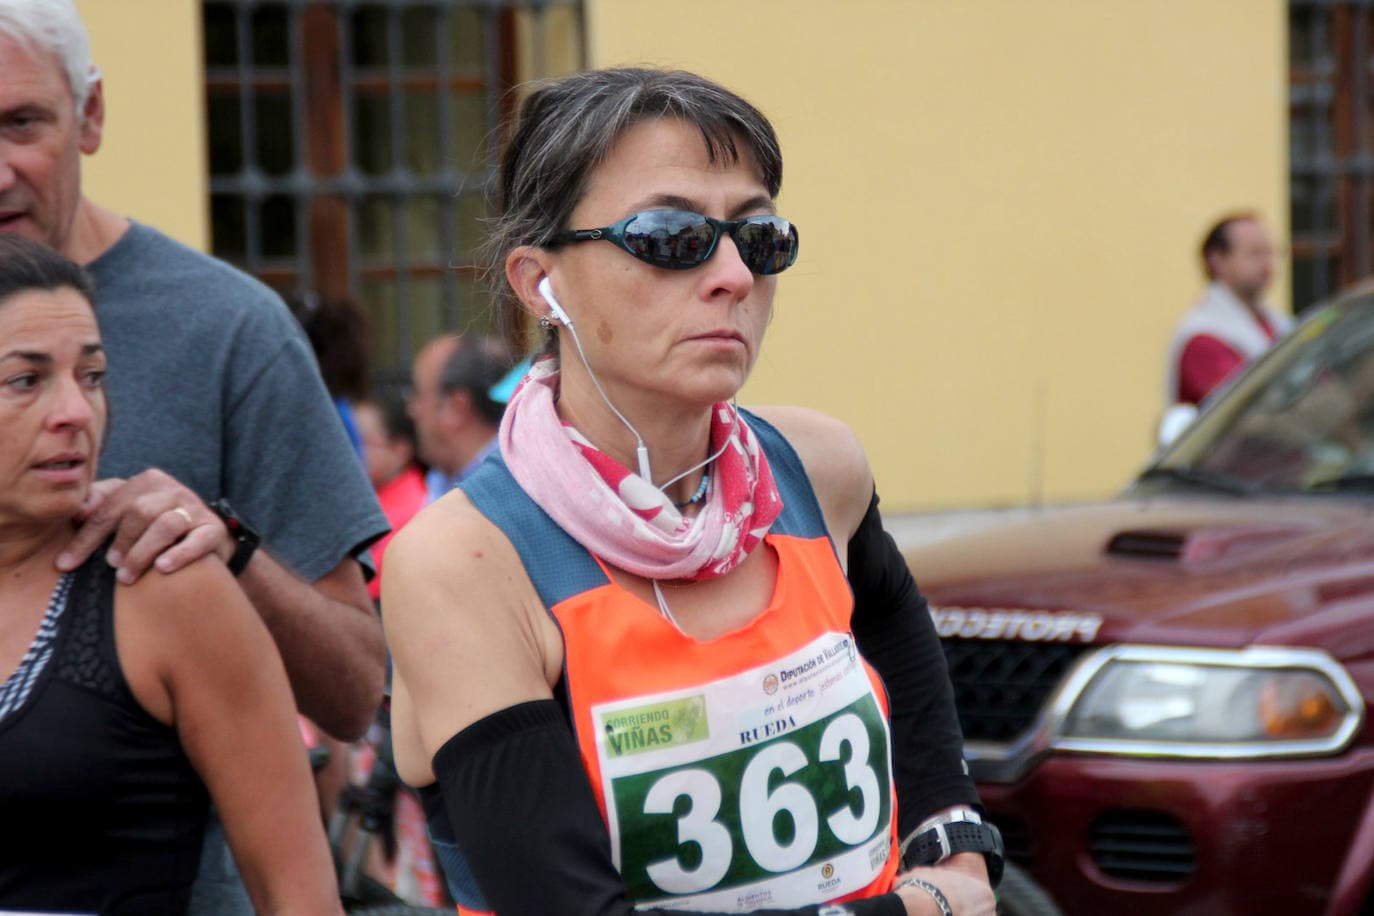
<point x="1162" y="701"/>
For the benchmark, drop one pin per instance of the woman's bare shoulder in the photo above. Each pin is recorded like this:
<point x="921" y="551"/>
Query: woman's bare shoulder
<point x="449" y="544"/>
<point x="452" y="574"/>
<point x="173" y="626"/>
<point x="817" y="437"/>
<point x="835" y="462"/>
<point x="183" y="595"/>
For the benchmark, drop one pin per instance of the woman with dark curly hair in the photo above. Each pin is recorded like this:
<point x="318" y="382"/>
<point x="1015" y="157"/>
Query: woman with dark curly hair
<point x="121" y="705"/>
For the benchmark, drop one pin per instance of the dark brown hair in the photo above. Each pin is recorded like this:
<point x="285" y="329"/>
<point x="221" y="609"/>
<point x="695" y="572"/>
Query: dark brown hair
<point x="338" y="333"/>
<point x="1218" y="239"/>
<point x="566" y="127"/>
<point x="27" y="265"/>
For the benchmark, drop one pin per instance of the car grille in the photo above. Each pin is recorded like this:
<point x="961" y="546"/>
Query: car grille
<point x="1142" y="846"/>
<point x="1000" y="685"/>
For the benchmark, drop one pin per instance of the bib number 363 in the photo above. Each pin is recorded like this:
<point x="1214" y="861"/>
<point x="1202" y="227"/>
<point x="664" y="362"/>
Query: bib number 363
<point x="759" y="811"/>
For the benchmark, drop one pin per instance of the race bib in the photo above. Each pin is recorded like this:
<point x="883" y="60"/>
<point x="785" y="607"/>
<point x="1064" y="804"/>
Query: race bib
<point x="770" y="788"/>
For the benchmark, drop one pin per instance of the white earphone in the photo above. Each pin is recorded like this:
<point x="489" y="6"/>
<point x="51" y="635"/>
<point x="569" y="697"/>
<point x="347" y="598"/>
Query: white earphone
<point x="546" y="290"/>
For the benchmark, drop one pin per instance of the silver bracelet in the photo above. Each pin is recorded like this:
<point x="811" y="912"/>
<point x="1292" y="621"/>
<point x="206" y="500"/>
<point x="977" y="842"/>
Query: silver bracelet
<point x="930" y="889"/>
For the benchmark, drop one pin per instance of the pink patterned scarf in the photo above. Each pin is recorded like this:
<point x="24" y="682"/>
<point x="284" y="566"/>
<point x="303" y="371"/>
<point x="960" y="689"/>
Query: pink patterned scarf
<point x="623" y="518"/>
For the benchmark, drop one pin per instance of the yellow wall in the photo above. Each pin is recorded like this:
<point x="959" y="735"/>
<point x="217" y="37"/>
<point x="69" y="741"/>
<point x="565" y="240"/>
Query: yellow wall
<point x="152" y="163"/>
<point x="999" y="205"/>
<point x="547" y="42"/>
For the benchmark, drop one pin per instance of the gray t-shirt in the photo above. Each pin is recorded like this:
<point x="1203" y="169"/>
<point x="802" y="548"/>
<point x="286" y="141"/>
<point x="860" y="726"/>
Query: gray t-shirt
<point x="212" y="380"/>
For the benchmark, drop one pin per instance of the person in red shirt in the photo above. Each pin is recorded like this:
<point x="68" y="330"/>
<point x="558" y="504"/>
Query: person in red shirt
<point x="1231" y="325"/>
<point x="388" y="439"/>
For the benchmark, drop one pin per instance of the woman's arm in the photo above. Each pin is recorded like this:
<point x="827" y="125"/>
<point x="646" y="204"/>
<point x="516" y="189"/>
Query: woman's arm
<point x="198" y="657"/>
<point x="893" y="629"/>
<point x="467" y="632"/>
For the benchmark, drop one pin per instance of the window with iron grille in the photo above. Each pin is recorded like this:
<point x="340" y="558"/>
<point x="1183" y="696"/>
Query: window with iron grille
<point x="1331" y="144"/>
<point x="348" y="146"/>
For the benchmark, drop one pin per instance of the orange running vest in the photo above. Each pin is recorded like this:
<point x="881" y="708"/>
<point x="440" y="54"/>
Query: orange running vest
<point x="747" y="772"/>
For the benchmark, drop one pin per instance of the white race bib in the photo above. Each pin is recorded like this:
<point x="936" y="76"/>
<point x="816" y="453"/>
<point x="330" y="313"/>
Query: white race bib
<point x="769" y="788"/>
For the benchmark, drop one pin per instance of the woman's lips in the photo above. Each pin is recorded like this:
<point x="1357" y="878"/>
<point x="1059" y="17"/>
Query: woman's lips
<point x="62" y="469"/>
<point x="721" y="336"/>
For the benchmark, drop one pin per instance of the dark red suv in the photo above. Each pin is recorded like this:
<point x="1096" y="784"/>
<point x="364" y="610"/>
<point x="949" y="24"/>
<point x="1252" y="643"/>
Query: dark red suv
<point x="1164" y="696"/>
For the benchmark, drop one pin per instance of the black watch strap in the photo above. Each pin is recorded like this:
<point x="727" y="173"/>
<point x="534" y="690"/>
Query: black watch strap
<point x="246" y="540"/>
<point x="944" y="840"/>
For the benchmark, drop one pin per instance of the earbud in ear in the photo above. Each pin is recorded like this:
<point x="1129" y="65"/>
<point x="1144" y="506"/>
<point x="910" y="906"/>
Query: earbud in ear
<point x="546" y="290"/>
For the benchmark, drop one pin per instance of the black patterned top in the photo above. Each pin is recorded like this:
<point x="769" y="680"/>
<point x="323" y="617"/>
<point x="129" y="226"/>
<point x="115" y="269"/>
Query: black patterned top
<point x="103" y="811"/>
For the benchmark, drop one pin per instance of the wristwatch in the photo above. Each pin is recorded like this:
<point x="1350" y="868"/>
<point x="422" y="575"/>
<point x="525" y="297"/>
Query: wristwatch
<point x="963" y="830"/>
<point x="246" y="540"/>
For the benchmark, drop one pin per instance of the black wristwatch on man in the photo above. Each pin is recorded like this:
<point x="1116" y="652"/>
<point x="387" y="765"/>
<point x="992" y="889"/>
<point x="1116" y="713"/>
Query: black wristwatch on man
<point x="246" y="540"/>
<point x="960" y="830"/>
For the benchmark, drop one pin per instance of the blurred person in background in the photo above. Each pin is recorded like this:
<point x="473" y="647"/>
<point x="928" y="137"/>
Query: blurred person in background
<point x="404" y="864"/>
<point x="337" y="330"/>
<point x="388" y="437"/>
<point x="451" y="402"/>
<point x="1231" y="325"/>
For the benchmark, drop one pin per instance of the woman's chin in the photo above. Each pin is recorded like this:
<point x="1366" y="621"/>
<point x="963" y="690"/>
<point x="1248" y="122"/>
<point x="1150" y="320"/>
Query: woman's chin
<point x="713" y="386"/>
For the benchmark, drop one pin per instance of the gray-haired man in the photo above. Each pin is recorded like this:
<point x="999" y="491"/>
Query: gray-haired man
<point x="219" y="412"/>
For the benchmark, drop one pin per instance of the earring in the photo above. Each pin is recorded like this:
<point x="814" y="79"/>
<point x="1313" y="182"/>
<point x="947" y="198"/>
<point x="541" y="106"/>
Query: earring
<point x="545" y="323"/>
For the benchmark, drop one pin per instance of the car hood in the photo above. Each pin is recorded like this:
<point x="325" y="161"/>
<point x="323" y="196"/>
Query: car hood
<point x="1209" y="572"/>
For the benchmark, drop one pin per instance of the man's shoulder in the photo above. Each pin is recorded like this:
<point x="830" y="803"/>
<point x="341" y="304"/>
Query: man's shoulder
<point x="147" y="261"/>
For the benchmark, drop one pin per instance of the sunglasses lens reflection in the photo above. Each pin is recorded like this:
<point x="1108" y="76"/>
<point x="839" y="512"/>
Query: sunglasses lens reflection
<point x="767" y="244"/>
<point x="670" y="238"/>
<point x="678" y="239"/>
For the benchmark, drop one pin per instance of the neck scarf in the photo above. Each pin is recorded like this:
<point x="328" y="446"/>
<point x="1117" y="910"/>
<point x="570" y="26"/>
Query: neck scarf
<point x="623" y="518"/>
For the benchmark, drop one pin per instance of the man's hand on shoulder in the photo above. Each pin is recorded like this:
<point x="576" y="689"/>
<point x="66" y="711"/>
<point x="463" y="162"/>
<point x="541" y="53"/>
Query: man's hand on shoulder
<point x="155" y="520"/>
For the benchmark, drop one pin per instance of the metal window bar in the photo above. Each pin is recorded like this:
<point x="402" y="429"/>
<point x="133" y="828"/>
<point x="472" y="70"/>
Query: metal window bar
<point x="351" y="183"/>
<point x="448" y="217"/>
<point x="300" y="174"/>
<point x="1358" y="149"/>
<point x="1330" y="97"/>
<point x="250" y="186"/>
<point x="403" y="190"/>
<point x="1310" y="99"/>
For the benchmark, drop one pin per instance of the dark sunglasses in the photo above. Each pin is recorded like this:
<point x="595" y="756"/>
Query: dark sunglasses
<point x="681" y="239"/>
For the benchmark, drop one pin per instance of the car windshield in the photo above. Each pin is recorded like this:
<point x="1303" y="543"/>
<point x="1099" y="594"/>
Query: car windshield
<point x="1301" y="420"/>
